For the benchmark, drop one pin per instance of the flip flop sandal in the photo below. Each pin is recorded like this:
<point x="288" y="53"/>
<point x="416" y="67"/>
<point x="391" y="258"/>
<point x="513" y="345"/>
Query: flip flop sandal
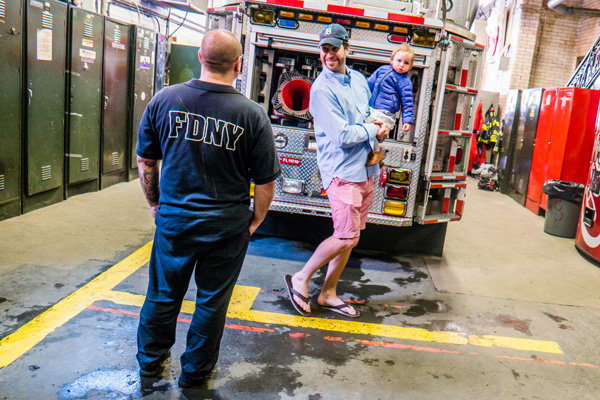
<point x="292" y="292"/>
<point x="338" y="309"/>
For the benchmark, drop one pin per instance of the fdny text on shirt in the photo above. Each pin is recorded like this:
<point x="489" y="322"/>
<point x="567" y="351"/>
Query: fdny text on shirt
<point x="209" y="130"/>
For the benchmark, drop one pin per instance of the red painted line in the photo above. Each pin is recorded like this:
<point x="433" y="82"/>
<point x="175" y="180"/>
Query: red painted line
<point x="249" y="328"/>
<point x="534" y="359"/>
<point x="112" y="310"/>
<point x="299" y="334"/>
<point x="584" y="365"/>
<point x="355" y="302"/>
<point x="144" y="274"/>
<point x="404" y="346"/>
<point x="365" y="342"/>
<point x="186" y="320"/>
<point x="345" y="10"/>
<point x="456" y="38"/>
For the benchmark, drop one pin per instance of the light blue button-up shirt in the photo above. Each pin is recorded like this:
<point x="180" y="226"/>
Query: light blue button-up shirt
<point x="339" y="104"/>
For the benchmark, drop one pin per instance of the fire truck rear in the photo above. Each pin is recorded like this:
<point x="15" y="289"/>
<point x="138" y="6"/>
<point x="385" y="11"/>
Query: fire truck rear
<point x="424" y="177"/>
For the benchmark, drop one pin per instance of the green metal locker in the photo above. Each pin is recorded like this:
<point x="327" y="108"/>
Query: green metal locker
<point x="143" y="82"/>
<point x="116" y="105"/>
<point x="44" y="112"/>
<point x="11" y="47"/>
<point x="84" y="101"/>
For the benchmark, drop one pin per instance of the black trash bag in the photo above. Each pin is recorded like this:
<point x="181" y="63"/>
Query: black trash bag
<point x="564" y="190"/>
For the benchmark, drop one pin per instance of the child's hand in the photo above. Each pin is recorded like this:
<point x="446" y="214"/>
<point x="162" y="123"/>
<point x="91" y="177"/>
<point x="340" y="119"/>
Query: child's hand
<point x="406" y="127"/>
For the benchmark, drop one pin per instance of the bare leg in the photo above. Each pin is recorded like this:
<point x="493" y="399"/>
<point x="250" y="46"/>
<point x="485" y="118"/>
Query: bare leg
<point x="328" y="294"/>
<point x="329" y="251"/>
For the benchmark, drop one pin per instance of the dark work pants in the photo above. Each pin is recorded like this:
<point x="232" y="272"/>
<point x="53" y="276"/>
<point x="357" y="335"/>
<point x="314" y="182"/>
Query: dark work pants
<point x="216" y="267"/>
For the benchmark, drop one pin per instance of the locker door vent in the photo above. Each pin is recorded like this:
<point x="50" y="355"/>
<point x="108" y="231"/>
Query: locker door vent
<point x="2" y="9"/>
<point x="1" y="182"/>
<point x="117" y="38"/>
<point x="85" y="164"/>
<point x="46" y="172"/>
<point x="88" y="30"/>
<point x="46" y="19"/>
<point x="115" y="158"/>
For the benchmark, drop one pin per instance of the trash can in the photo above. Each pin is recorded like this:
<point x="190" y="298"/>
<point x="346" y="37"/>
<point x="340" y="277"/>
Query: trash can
<point x="564" y="205"/>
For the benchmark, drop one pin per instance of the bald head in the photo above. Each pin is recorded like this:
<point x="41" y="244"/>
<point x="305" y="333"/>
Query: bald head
<point x="219" y="51"/>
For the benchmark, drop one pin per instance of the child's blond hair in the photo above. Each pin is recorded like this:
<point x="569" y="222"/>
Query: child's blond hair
<point x="405" y="48"/>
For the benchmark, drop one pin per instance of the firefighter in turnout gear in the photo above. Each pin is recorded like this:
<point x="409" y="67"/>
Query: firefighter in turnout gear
<point x="490" y="131"/>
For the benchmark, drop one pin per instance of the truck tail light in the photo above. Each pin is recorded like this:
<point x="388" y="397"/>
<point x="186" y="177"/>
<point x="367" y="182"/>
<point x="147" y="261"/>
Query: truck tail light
<point x="423" y="39"/>
<point x="293" y="186"/>
<point x="396" y="192"/>
<point x="398" y="176"/>
<point x="263" y="17"/>
<point x="394" y="207"/>
<point x="398" y="39"/>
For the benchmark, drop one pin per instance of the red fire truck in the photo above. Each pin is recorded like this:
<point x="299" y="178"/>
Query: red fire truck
<point x="424" y="178"/>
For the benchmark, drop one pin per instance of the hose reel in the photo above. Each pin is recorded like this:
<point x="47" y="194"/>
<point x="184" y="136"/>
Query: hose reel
<point x="292" y="96"/>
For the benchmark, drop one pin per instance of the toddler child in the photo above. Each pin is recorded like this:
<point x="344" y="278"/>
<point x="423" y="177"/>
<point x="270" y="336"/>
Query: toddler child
<point x="391" y="90"/>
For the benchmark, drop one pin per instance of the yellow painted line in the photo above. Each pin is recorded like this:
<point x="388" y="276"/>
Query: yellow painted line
<point x="243" y="297"/>
<point x="33" y="332"/>
<point x="30" y="334"/>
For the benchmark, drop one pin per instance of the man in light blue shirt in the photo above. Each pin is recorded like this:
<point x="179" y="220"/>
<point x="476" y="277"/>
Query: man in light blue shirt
<point x="339" y="103"/>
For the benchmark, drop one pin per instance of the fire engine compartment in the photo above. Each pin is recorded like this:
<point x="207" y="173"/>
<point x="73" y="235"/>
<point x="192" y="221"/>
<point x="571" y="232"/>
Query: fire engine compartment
<point x="283" y="76"/>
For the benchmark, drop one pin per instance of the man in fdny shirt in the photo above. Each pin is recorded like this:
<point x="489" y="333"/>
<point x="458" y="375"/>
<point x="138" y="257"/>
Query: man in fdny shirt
<point x="212" y="142"/>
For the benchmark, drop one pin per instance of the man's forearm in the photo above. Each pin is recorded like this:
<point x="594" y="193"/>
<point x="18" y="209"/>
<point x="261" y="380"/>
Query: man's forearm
<point x="149" y="177"/>
<point x="263" y="195"/>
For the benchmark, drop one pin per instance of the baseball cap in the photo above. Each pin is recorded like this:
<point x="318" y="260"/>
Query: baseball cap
<point x="334" y="34"/>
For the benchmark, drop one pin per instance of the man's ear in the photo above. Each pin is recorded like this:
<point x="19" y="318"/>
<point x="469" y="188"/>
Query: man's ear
<point x="238" y="65"/>
<point x="199" y="56"/>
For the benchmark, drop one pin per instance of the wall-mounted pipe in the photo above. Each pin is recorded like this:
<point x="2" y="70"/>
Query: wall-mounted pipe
<point x="557" y="5"/>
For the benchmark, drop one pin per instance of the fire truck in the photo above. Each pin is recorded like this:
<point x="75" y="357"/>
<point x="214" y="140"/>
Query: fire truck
<point x="424" y="177"/>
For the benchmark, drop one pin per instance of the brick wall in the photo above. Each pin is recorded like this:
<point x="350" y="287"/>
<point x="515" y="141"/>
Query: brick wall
<point x="543" y="47"/>
<point x="556" y="56"/>
<point x="588" y="29"/>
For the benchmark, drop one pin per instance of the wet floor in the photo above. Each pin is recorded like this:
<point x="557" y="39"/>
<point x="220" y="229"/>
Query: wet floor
<point x="512" y="321"/>
<point x="92" y="356"/>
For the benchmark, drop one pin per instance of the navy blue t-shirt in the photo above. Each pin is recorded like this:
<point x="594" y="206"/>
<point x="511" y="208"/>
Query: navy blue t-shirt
<point x="212" y="140"/>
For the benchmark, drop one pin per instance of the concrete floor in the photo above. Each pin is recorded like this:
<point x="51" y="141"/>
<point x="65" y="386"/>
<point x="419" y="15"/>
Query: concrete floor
<point x="508" y="312"/>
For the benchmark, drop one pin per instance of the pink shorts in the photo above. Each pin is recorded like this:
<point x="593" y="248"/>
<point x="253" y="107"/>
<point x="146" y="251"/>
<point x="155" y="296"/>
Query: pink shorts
<point x="350" y="202"/>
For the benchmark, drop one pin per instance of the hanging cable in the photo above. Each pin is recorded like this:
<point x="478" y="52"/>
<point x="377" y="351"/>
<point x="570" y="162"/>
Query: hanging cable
<point x="180" y="25"/>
